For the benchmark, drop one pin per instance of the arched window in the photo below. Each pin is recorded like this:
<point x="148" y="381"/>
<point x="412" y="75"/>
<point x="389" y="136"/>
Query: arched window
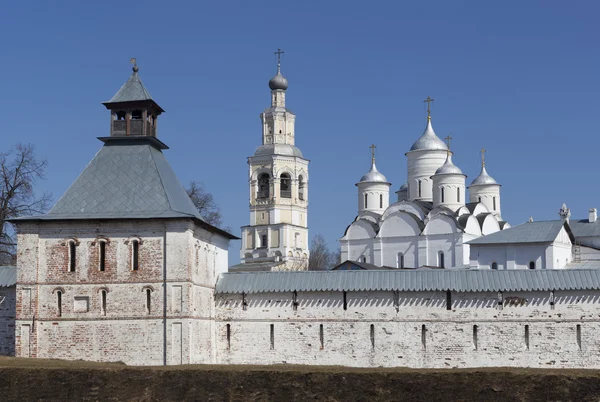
<point x="442" y="192"/>
<point x="494" y="200"/>
<point x="264" y="241"/>
<point x="531" y="265"/>
<point x="72" y="255"/>
<point x="494" y="265"/>
<point x="380" y="200"/>
<point x="363" y="259"/>
<point x="263" y="186"/>
<point x="103" y="302"/>
<point x="442" y="263"/>
<point x="148" y="300"/>
<point x="135" y="255"/>
<point x="285" y="189"/>
<point x="101" y="255"/>
<point x="479" y="199"/>
<point x="366" y="201"/>
<point x="301" y="187"/>
<point x="59" y="302"/>
<point x="419" y="188"/>
<point x="458" y="194"/>
<point x="120" y="115"/>
<point x="400" y="261"/>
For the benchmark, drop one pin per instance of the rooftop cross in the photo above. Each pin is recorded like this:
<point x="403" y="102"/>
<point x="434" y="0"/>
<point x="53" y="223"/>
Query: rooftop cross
<point x="482" y="156"/>
<point x="429" y="100"/>
<point x="279" y="52"/>
<point x="448" y="139"/>
<point x="372" y="153"/>
<point x="133" y="61"/>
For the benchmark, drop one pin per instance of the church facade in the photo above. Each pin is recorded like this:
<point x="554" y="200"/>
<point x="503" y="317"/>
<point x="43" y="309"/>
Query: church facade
<point x="124" y="268"/>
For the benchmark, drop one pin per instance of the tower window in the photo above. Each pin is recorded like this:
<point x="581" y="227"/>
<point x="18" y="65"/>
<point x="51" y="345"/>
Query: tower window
<point x="135" y="255"/>
<point x="366" y="201"/>
<point x="263" y="186"/>
<point x="120" y="115"/>
<point x="102" y="256"/>
<point x="286" y="191"/>
<point x="400" y="261"/>
<point x="494" y="201"/>
<point x="419" y="188"/>
<point x="442" y="263"/>
<point x="424" y="337"/>
<point x="264" y="241"/>
<point x="475" y="336"/>
<point x="301" y="187"/>
<point x="72" y="255"/>
<point x="148" y="300"/>
<point x="531" y="265"/>
<point x="59" y="303"/>
<point x="442" y="194"/>
<point x="458" y="194"/>
<point x="380" y="200"/>
<point x="103" y="302"/>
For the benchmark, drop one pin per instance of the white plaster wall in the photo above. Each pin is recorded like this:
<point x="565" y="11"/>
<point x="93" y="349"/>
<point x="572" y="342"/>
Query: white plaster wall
<point x="486" y="194"/>
<point x="514" y="256"/>
<point x="398" y="329"/>
<point x="421" y="166"/>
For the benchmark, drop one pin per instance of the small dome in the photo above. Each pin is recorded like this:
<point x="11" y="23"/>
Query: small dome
<point x="448" y="167"/>
<point x="373" y="175"/>
<point x="483" y="179"/>
<point x="429" y="141"/>
<point x="278" y="149"/>
<point x="278" y="82"/>
<point x="403" y="187"/>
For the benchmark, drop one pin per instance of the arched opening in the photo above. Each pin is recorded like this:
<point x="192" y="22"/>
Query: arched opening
<point x="380" y="201"/>
<point x="479" y="199"/>
<point x="103" y="302"/>
<point x="102" y="256"/>
<point x="120" y="115"/>
<point x="135" y="255"/>
<point x="400" y="262"/>
<point x="263" y="241"/>
<point x="494" y="265"/>
<point x="442" y="193"/>
<point x="494" y="201"/>
<point x="136" y="115"/>
<point x="419" y="188"/>
<point x="366" y="201"/>
<point x="363" y="259"/>
<point x="441" y="262"/>
<point x="458" y="194"/>
<point x="284" y="185"/>
<point x="297" y="240"/>
<point x="531" y="265"/>
<point x="263" y="186"/>
<point x="59" y="303"/>
<point x="148" y="301"/>
<point x="72" y="256"/>
<point x="301" y="187"/>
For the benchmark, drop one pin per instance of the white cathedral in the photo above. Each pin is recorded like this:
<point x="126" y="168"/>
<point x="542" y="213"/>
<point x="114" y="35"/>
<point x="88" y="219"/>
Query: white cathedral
<point x="432" y="221"/>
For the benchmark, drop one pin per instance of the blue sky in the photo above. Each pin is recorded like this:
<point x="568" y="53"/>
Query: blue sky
<point x="518" y="78"/>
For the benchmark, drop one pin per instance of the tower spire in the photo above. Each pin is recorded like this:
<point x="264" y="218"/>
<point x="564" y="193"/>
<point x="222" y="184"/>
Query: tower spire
<point x="482" y="157"/>
<point x="278" y="82"/>
<point x="373" y="153"/>
<point x="428" y="101"/>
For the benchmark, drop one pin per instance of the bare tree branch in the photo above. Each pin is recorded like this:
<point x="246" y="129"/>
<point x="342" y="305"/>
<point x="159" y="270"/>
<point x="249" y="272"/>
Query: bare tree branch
<point x="206" y="205"/>
<point x="321" y="258"/>
<point x="19" y="171"/>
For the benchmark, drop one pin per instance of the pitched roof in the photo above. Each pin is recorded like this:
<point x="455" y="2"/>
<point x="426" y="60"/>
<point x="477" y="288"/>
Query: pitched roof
<point x="585" y="228"/>
<point x="458" y="280"/>
<point x="8" y="276"/>
<point x="529" y="232"/>
<point x="132" y="90"/>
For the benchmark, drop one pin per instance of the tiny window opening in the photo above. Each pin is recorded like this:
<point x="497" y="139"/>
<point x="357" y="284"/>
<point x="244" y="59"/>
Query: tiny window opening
<point x="272" y="336"/>
<point x="59" y="303"/>
<point x="527" y="337"/>
<point x="228" y="331"/>
<point x="102" y="250"/>
<point x="345" y="301"/>
<point x="372" y="337"/>
<point x="380" y="200"/>
<point x="442" y="263"/>
<point x="442" y="194"/>
<point x="103" y="302"/>
<point x="494" y="202"/>
<point x="72" y="256"/>
<point x="531" y="265"/>
<point x="475" y="328"/>
<point x="458" y="194"/>
<point x="366" y="201"/>
<point x="448" y="300"/>
<point x="423" y="337"/>
<point x="135" y="255"/>
<point x="148" y="301"/>
<point x="321" y="337"/>
<point x="419" y="188"/>
<point x="494" y="265"/>
<point x="578" y="330"/>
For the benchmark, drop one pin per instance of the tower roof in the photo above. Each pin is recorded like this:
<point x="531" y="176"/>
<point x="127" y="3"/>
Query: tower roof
<point x="429" y="141"/>
<point x="278" y="82"/>
<point x="449" y="167"/>
<point x="483" y="179"/>
<point x="373" y="175"/>
<point x="132" y="91"/>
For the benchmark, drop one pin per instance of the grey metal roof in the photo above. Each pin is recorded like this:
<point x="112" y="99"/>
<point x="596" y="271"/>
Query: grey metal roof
<point x="278" y="149"/>
<point x="125" y="181"/>
<point x="449" y="167"/>
<point x="374" y="175"/>
<point x="429" y="141"/>
<point x="483" y="179"/>
<point x="278" y="81"/>
<point x="529" y="232"/>
<point x="585" y="228"/>
<point x="459" y="280"/>
<point x="8" y="276"/>
<point x="132" y="90"/>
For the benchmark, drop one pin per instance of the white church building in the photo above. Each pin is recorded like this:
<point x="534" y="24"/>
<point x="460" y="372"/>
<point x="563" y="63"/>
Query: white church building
<point x="432" y="221"/>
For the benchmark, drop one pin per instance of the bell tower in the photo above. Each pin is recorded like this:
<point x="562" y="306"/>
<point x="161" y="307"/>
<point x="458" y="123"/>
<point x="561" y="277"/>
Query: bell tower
<point x="277" y="237"/>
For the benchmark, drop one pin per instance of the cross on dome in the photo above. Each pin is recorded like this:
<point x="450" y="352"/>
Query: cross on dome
<point x="428" y="101"/>
<point x="373" y="146"/>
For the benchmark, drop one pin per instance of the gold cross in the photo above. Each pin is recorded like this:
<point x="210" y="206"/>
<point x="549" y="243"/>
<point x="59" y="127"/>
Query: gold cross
<point x="448" y="138"/>
<point x="279" y="52"/>
<point x="428" y="100"/>
<point x="482" y="156"/>
<point x="372" y="152"/>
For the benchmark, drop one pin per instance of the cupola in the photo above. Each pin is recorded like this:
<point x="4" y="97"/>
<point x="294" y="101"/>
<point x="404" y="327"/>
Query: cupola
<point x="373" y="189"/>
<point x="485" y="189"/>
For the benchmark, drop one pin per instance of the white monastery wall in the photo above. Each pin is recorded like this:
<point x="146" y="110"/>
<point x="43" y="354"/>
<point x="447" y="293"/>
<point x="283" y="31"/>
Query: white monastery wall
<point x="526" y="329"/>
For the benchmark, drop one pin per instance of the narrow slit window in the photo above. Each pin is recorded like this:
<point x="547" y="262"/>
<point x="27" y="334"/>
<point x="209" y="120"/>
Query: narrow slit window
<point x="372" y="337"/>
<point x="448" y="300"/>
<point x="400" y="260"/>
<point x="272" y="336"/>
<point x="295" y="301"/>
<point x="321" y="336"/>
<point x="578" y="329"/>
<point x="442" y="194"/>
<point x="442" y="263"/>
<point x="419" y="188"/>
<point x="423" y="337"/>
<point x="527" y="337"/>
<point x="479" y="199"/>
<point x="102" y="246"/>
<point x="148" y="301"/>
<point x="72" y="256"/>
<point x="59" y="303"/>
<point x="135" y="255"/>
<point x="103" y="302"/>
<point x="228" y="331"/>
<point x="458" y="195"/>
<point x="475" y="336"/>
<point x="494" y="201"/>
<point x="380" y="200"/>
<point x="366" y="201"/>
<point x="344" y="295"/>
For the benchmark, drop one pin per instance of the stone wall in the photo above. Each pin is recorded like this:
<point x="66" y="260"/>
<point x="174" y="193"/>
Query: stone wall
<point x="372" y="329"/>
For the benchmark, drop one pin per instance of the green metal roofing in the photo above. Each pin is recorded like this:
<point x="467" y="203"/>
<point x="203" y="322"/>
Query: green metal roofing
<point x="458" y="280"/>
<point x="132" y="90"/>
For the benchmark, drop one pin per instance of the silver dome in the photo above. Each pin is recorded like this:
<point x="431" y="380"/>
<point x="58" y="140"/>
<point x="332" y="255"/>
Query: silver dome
<point x="278" y="82"/>
<point x="483" y="179"/>
<point x="278" y="149"/>
<point x="429" y="141"/>
<point x="448" y="167"/>
<point x="403" y="187"/>
<point x="373" y="175"/>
